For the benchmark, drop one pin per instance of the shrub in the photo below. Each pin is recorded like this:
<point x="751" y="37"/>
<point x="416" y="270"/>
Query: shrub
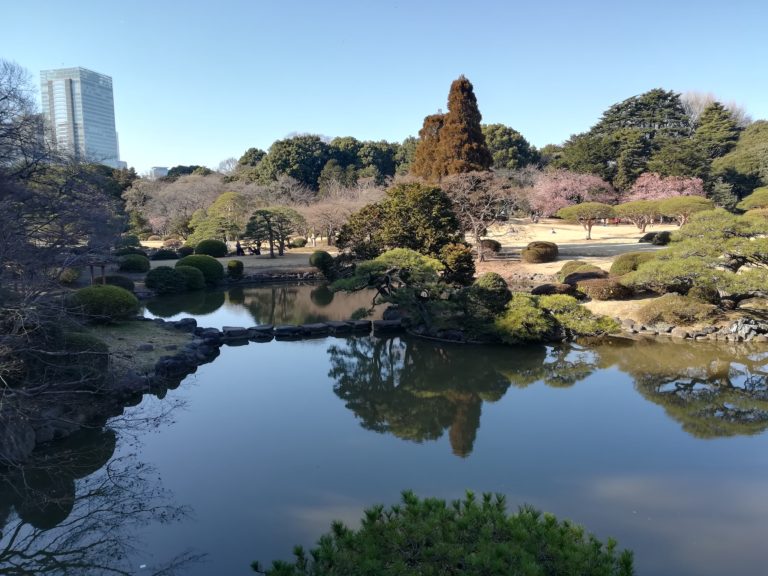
<point x="539" y="252"/>
<point x="569" y="267"/>
<point x="172" y="243"/>
<point x="321" y="296"/>
<point x="154" y="238"/>
<point x="489" y="244"/>
<point x="470" y="537"/>
<point x="103" y="303"/>
<point x="524" y="322"/>
<point x="122" y="281"/>
<point x="459" y="264"/>
<point x="211" y="268"/>
<point x="704" y="292"/>
<point x="675" y="309"/>
<point x="193" y="277"/>
<point x="164" y="254"/>
<point x="215" y="248"/>
<point x="128" y="251"/>
<point x="585" y="272"/>
<point x="185" y="251"/>
<point x="657" y="238"/>
<point x="321" y="260"/>
<point x="604" y="289"/>
<point x="134" y="263"/>
<point x="490" y="291"/>
<point x="576" y="319"/>
<point x="69" y="275"/>
<point x="165" y="280"/>
<point x="548" y="289"/>
<point x="628" y="262"/>
<point x="297" y="242"/>
<point x="235" y="269"/>
<point x="127" y="240"/>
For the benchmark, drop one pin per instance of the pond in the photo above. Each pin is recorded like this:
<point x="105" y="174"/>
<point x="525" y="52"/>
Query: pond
<point x="661" y="445"/>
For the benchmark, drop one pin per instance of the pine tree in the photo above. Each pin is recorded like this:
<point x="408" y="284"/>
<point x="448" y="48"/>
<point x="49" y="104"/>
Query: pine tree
<point x="717" y="131"/>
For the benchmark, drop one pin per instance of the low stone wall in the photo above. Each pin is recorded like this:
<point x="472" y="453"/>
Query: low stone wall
<point x="740" y="330"/>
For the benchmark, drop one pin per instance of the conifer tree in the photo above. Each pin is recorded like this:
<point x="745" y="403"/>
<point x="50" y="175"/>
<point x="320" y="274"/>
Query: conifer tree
<point x="717" y="131"/>
<point x="425" y="158"/>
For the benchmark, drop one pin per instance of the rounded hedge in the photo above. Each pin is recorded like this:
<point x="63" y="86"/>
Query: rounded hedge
<point x="164" y="254"/>
<point x="185" y="251"/>
<point x="172" y="243"/>
<point x="584" y="272"/>
<point x="489" y="244"/>
<point x="121" y="281"/>
<point x="570" y="267"/>
<point x="165" y="280"/>
<point x="235" y="269"/>
<point x="459" y="264"/>
<point x="103" y="303"/>
<point x="193" y="277"/>
<point x="129" y="250"/>
<point x="540" y="252"/>
<point x="134" y="263"/>
<point x="69" y="275"/>
<point x="321" y="260"/>
<point x="604" y="289"/>
<point x="491" y="290"/>
<point x="657" y="238"/>
<point x="215" y="248"/>
<point x="154" y="238"/>
<point x="127" y="240"/>
<point x="626" y="263"/>
<point x="550" y="289"/>
<point x="675" y="309"/>
<point x="211" y="268"/>
<point x="297" y="242"/>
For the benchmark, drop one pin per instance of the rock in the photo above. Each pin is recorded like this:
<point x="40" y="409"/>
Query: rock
<point x="678" y="332"/>
<point x="387" y="326"/>
<point x="663" y="327"/>
<point x="360" y="325"/>
<point x="186" y="324"/>
<point x="235" y="333"/>
<point x="316" y="329"/>
<point x="287" y="331"/>
<point x="261" y="329"/>
<point x="210" y="334"/>
<point x="145" y="348"/>
<point x="339" y="327"/>
<point x="761" y="338"/>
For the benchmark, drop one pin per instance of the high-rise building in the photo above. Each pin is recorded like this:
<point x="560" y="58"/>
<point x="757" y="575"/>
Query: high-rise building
<point x="79" y="112"/>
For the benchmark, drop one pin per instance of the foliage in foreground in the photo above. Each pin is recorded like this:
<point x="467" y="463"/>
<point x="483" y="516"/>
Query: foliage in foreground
<point x="430" y="536"/>
<point x="103" y="303"/>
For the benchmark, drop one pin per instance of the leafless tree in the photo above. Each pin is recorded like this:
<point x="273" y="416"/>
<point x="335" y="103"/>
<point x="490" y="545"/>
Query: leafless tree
<point x="227" y="166"/>
<point x="694" y="103"/>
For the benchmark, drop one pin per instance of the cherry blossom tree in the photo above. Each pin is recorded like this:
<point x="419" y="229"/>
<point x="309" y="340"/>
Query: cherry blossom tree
<point x="557" y="189"/>
<point x="652" y="186"/>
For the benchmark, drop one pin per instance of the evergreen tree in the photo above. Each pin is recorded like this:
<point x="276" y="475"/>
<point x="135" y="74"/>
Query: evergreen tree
<point x="717" y="131"/>
<point x="508" y="148"/>
<point x="425" y="158"/>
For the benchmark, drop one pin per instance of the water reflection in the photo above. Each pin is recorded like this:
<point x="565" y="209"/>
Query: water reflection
<point x="416" y="389"/>
<point x="713" y="390"/>
<point x="74" y="509"/>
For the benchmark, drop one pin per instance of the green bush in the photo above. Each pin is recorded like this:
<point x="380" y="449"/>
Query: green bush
<point x="193" y="277"/>
<point x="69" y="275"/>
<point x="103" y="303"/>
<point x="675" y="309"/>
<point x="459" y="264"/>
<point x="134" y="263"/>
<point x="585" y="272"/>
<point x="185" y="251"/>
<point x="576" y="319"/>
<point x="628" y="262"/>
<point x="549" y="289"/>
<point x="297" y="242"/>
<point x="657" y="238"/>
<point x="523" y="322"/>
<point x="321" y="260"/>
<point x="539" y="252"/>
<point x="211" y="268"/>
<point x="235" y="269"/>
<point x="165" y="254"/>
<point x="215" y="248"/>
<point x="174" y="243"/>
<point x="569" y="267"/>
<point x="121" y="281"/>
<point x="154" y="238"/>
<point x="127" y="240"/>
<point x="492" y="245"/>
<point x="604" y="289"/>
<point x="165" y="280"/>
<point x="471" y="537"/>
<point x="491" y="292"/>
<point x="128" y="251"/>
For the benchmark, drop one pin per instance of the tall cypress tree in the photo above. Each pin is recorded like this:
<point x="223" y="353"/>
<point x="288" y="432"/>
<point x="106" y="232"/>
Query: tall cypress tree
<point x="717" y="131"/>
<point x="452" y="143"/>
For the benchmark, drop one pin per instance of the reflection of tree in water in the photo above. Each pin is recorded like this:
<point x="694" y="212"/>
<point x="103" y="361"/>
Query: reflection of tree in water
<point x="558" y="366"/>
<point x="273" y="305"/>
<point x="416" y="389"/>
<point x="198" y="302"/>
<point x="70" y="510"/>
<point x="713" y="390"/>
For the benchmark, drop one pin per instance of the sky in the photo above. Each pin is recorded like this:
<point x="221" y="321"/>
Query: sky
<point x="198" y="82"/>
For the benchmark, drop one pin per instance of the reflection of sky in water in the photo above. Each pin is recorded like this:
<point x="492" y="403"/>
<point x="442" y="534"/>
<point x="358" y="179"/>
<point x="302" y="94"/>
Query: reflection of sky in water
<point x="268" y="454"/>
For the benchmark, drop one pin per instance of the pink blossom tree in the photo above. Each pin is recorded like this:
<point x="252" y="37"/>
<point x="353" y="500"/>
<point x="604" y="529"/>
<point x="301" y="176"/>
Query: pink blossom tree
<point x="652" y="186"/>
<point x="557" y="189"/>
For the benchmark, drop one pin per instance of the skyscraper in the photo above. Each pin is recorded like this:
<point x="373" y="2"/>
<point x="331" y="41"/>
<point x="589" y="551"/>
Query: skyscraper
<point x="79" y="112"/>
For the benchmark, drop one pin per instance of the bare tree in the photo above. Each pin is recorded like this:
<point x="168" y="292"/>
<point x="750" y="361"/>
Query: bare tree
<point x="227" y="166"/>
<point x="694" y="103"/>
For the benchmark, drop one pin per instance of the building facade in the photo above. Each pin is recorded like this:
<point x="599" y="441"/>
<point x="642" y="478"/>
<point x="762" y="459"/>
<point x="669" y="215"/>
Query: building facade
<point x="79" y="112"/>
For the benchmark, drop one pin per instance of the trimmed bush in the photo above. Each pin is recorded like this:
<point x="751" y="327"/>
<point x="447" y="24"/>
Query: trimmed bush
<point x="215" y="248"/>
<point x="69" y="275"/>
<point x="585" y="272"/>
<point x="211" y="268"/>
<point x="491" y="292"/>
<point x="576" y="319"/>
<point x="459" y="264"/>
<point x="164" y="254"/>
<point x="524" y="322"/>
<point x="235" y="269"/>
<point x="193" y="277"/>
<point x="127" y="240"/>
<point x="321" y="260"/>
<point x="165" y="280"/>
<point x="549" y="289"/>
<point x="491" y="245"/>
<point x="570" y="267"/>
<point x="604" y="289"/>
<point x="103" y="304"/>
<point x="185" y="251"/>
<point x="134" y="263"/>
<point x="128" y="251"/>
<point x="539" y="252"/>
<point x="657" y="238"/>
<point x="154" y="238"/>
<point x="122" y="281"/>
<point x="173" y="243"/>
<point x="297" y="242"/>
<point x="626" y="263"/>
<point x="675" y="309"/>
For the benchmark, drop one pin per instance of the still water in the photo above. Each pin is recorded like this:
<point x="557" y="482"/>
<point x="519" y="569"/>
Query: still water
<point x="660" y="445"/>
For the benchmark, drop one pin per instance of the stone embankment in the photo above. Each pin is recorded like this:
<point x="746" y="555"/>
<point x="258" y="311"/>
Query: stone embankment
<point x="740" y="330"/>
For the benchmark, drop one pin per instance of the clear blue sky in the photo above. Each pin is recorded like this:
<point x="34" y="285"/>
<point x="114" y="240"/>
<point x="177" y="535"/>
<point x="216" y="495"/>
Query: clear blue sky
<point x="197" y="82"/>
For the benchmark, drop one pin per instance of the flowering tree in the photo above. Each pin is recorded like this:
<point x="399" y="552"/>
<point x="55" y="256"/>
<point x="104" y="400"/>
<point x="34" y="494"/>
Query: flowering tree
<point x="560" y="188"/>
<point x="652" y="186"/>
